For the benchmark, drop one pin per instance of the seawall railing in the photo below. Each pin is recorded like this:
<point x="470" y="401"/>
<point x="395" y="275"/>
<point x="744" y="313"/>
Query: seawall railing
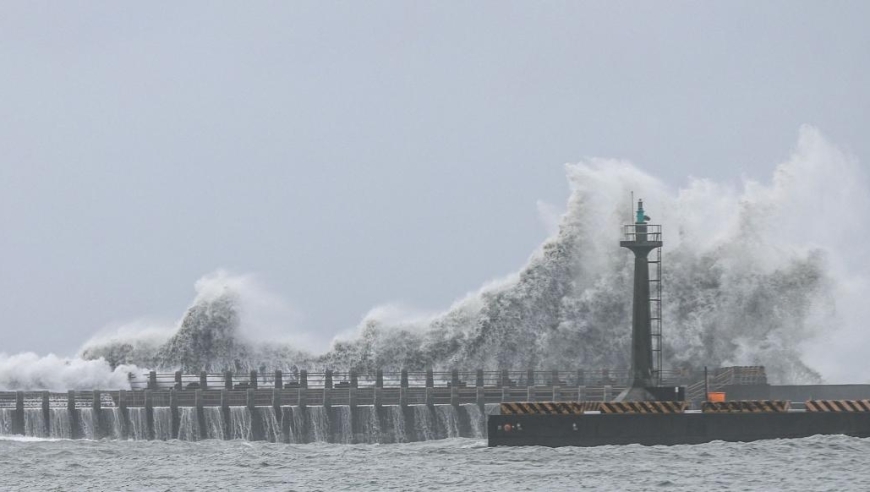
<point x="392" y="379"/>
<point x="720" y="377"/>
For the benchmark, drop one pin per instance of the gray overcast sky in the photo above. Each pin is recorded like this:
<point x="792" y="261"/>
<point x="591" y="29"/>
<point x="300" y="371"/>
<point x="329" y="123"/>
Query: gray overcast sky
<point x="354" y="153"/>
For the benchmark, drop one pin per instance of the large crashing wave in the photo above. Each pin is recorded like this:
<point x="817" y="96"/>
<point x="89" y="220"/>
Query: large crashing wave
<point x="752" y="276"/>
<point x="28" y="371"/>
<point x="210" y="337"/>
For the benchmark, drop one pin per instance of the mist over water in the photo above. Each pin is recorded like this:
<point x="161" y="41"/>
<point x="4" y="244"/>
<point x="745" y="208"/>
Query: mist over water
<point x="757" y="274"/>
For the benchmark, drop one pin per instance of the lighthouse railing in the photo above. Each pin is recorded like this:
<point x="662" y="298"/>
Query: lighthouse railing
<point x="642" y="232"/>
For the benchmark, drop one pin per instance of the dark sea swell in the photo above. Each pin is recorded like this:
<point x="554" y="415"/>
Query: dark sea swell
<point x="818" y="463"/>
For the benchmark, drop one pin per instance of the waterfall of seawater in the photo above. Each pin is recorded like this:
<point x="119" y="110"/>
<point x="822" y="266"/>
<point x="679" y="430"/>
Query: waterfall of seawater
<point x="397" y="420"/>
<point x="162" y="423"/>
<point x="188" y="424"/>
<point x="370" y="425"/>
<point x="476" y="419"/>
<point x="448" y="418"/>
<point x="86" y="422"/>
<point x="343" y="431"/>
<point x="240" y="423"/>
<point x="338" y="424"/>
<point x="5" y="421"/>
<point x="112" y="422"/>
<point x="296" y="424"/>
<point x="34" y="422"/>
<point x="214" y="422"/>
<point x="423" y="423"/>
<point x="271" y="427"/>
<point x="138" y="424"/>
<point x="318" y="424"/>
<point x="60" y="426"/>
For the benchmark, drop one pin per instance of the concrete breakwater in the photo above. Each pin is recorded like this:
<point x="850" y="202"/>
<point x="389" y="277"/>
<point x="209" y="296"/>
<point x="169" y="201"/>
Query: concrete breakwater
<point x="111" y="415"/>
<point x="289" y="424"/>
<point x="328" y="407"/>
<point x="378" y="408"/>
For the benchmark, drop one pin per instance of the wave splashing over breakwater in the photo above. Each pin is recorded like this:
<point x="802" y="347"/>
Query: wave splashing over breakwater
<point x="753" y="275"/>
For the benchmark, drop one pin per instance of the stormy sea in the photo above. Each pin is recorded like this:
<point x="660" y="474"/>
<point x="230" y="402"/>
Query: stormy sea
<point x="815" y="463"/>
<point x="755" y="274"/>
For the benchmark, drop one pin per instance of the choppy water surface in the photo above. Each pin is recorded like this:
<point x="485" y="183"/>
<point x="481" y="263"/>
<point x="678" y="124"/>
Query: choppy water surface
<point x="816" y="463"/>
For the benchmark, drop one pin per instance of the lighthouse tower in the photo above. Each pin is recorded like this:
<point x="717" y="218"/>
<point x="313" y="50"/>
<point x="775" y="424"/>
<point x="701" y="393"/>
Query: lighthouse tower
<point x="642" y="239"/>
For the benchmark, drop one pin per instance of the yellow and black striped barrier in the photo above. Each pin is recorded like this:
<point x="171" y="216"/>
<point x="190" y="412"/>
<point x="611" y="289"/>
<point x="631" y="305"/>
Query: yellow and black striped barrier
<point x="745" y="406"/>
<point x="644" y="407"/>
<point x="838" y="405"/>
<point x="549" y="408"/>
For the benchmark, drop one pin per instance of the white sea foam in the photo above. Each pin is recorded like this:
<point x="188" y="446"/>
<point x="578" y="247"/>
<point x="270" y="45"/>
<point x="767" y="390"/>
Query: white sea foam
<point x="28" y="371"/>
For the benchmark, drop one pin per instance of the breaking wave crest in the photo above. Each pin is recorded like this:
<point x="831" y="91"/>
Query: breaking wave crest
<point x="29" y="371"/>
<point x="751" y="276"/>
<point x="755" y="274"/>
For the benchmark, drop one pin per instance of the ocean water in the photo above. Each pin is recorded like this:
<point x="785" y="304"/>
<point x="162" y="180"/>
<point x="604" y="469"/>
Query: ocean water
<point x="819" y="463"/>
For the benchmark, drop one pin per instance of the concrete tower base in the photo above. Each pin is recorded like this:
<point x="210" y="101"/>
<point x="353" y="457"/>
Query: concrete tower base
<point x="635" y="394"/>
